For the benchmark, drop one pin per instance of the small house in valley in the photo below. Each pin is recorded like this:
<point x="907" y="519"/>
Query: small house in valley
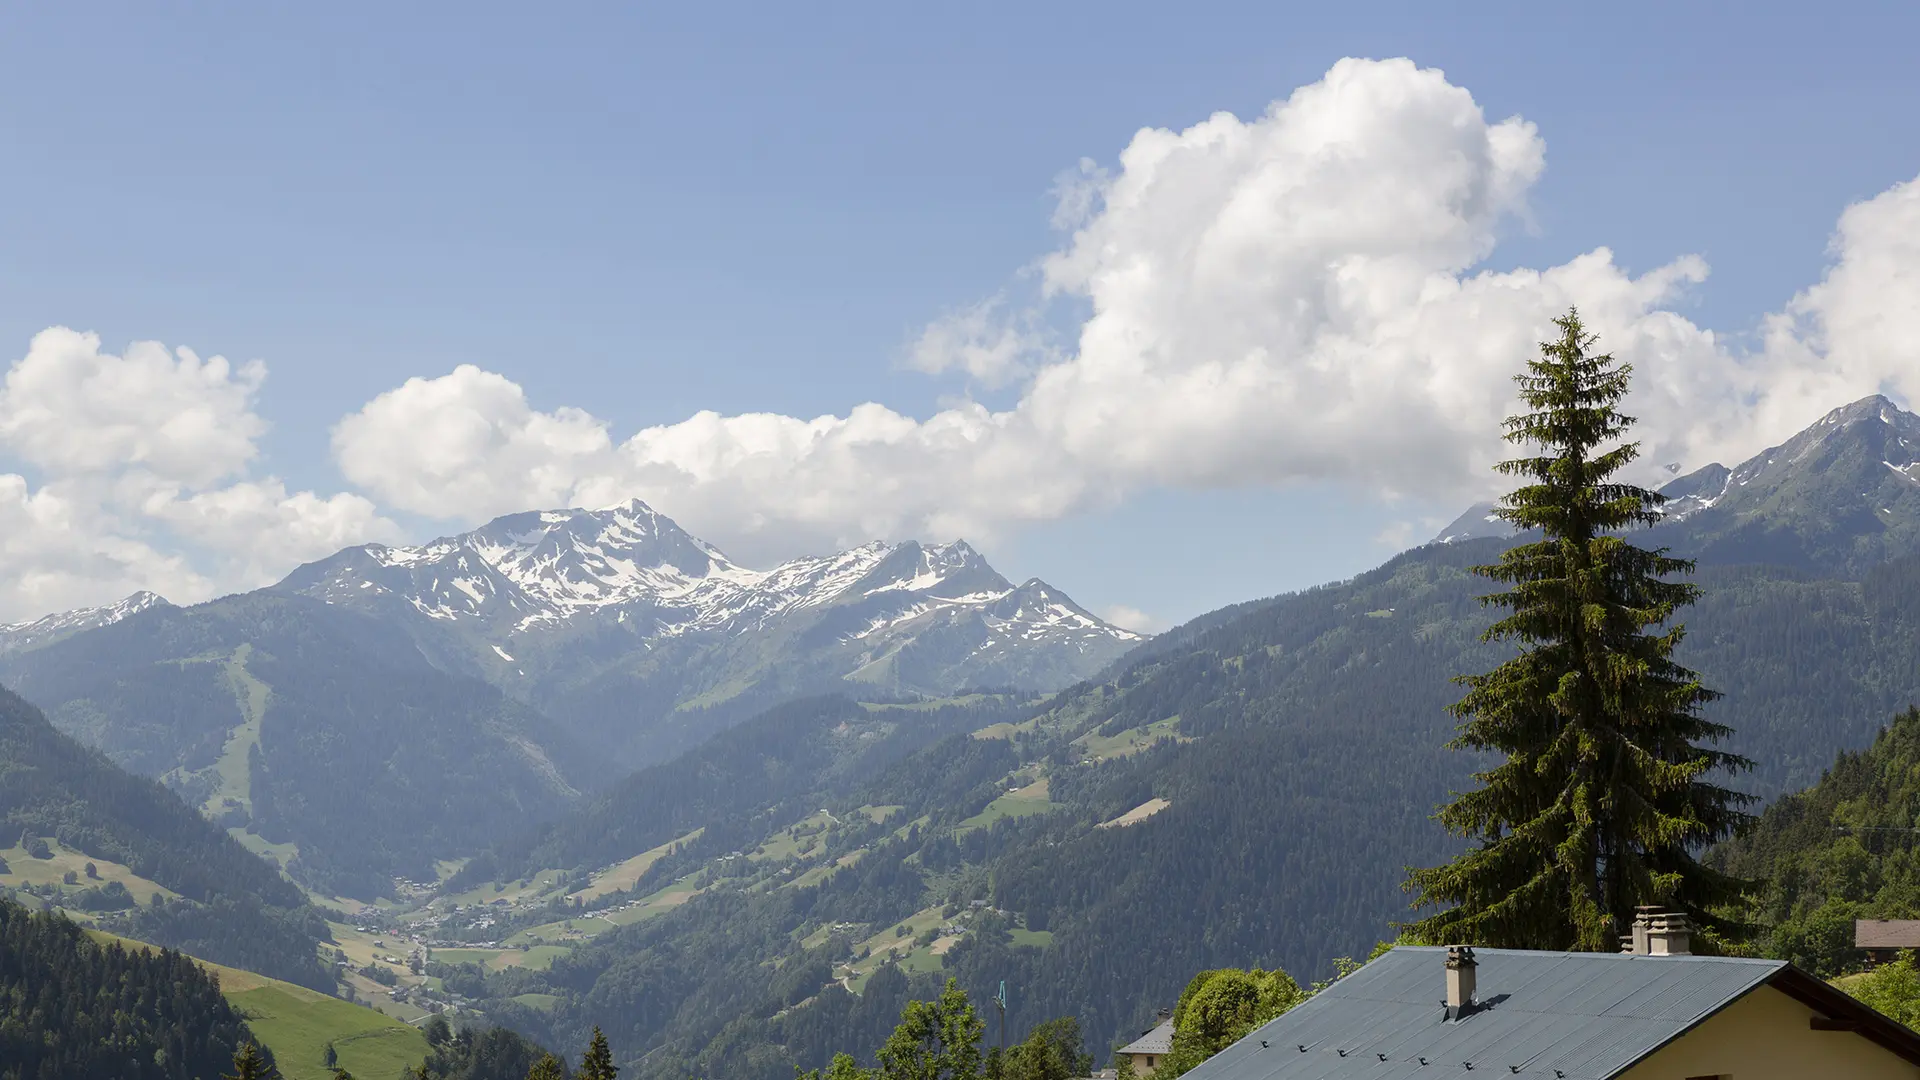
<point x="1153" y="1044"/>
<point x="1883" y="940"/>
<point x="1652" y="1012"/>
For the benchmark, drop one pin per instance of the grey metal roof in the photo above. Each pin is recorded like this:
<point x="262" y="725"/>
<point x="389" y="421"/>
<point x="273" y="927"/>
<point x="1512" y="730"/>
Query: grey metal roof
<point x="1577" y="1016"/>
<point x="1159" y="1040"/>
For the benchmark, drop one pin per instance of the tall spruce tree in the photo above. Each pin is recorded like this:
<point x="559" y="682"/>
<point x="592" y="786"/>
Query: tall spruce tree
<point x="1606" y="788"/>
<point x="597" y="1062"/>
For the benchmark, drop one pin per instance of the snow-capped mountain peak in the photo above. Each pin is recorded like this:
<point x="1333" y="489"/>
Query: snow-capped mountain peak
<point x="1847" y="438"/>
<point x="545" y="569"/>
<point x="62" y="624"/>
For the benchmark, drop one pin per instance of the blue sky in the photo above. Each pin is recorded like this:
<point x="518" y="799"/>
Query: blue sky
<point x="758" y="208"/>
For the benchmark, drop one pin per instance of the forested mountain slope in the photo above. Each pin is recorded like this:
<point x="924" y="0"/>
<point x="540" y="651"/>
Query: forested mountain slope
<point x="310" y="726"/>
<point x="230" y="906"/>
<point x="1840" y="497"/>
<point x="72" y="1008"/>
<point x="753" y="771"/>
<point x="1843" y="849"/>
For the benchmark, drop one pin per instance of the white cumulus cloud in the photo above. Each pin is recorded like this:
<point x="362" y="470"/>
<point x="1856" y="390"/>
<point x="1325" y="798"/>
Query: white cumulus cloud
<point x="70" y="408"/>
<point x="1293" y="297"/>
<point x="467" y="445"/>
<point x="1299" y="296"/>
<point x="140" y="463"/>
<point x="1132" y="618"/>
<point x="980" y="341"/>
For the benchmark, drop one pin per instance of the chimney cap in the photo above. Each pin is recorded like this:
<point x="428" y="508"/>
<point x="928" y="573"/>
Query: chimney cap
<point x="1658" y="931"/>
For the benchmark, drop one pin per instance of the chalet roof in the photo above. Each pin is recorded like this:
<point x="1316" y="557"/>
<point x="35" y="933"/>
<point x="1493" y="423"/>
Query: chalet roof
<point x="1544" y="1016"/>
<point x="1886" y="933"/>
<point x="1159" y="1040"/>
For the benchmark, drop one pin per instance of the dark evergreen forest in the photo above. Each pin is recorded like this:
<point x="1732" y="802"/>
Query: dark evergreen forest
<point x="74" y="1009"/>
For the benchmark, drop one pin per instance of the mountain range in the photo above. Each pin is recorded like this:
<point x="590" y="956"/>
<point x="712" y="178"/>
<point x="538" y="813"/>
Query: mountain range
<point x="1272" y="766"/>
<point x="617" y="622"/>
<point x="786" y="866"/>
<point x="490" y="678"/>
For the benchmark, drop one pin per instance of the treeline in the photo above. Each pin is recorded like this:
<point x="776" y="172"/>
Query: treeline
<point x="234" y="908"/>
<point x="943" y="1038"/>
<point x="74" y="1009"/>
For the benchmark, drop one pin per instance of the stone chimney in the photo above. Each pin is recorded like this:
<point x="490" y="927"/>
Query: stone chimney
<point x="1658" y="932"/>
<point x="1461" y="969"/>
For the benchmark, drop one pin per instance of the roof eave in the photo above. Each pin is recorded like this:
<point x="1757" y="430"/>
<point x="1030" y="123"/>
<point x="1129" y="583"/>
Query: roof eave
<point x="1835" y="1004"/>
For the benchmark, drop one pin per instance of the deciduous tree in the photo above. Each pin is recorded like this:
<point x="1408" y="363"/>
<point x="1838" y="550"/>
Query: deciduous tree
<point x="936" y="1040"/>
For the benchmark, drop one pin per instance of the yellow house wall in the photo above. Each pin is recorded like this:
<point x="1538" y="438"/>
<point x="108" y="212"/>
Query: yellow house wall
<point x="1764" y="1036"/>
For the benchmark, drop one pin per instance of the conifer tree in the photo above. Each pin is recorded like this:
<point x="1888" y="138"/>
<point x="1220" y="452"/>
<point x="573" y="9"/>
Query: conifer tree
<point x="547" y="1068"/>
<point x="250" y="1064"/>
<point x="597" y="1062"/>
<point x="1605" y="789"/>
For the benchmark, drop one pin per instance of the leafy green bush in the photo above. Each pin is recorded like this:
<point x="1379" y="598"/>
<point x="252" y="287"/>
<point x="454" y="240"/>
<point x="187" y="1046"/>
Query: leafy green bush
<point x="1219" y="1008"/>
<point x="1893" y="989"/>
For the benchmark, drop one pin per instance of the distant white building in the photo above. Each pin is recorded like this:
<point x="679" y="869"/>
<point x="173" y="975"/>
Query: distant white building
<point x="1152" y="1045"/>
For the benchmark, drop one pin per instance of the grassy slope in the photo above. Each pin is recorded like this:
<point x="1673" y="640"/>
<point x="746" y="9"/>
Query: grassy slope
<point x="1029" y="799"/>
<point x="233" y="767"/>
<point x="24" y="869"/>
<point x="297" y="1024"/>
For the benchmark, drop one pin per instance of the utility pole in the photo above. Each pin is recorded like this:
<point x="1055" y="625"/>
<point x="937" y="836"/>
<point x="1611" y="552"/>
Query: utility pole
<point x="1000" y="1000"/>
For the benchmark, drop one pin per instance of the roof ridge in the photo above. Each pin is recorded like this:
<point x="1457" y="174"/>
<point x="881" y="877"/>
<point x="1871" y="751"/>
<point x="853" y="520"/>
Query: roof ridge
<point x="1492" y="951"/>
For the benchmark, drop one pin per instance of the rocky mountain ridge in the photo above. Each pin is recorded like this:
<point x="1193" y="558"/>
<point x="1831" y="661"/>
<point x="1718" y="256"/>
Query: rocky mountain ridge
<point x="618" y="621"/>
<point x="524" y="573"/>
<point x="1841" y="495"/>
<point x="64" y="624"/>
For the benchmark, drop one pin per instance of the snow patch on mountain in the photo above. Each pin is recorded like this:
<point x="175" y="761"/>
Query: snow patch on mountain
<point x="1872" y="422"/>
<point x="1478" y="521"/>
<point x="547" y="570"/>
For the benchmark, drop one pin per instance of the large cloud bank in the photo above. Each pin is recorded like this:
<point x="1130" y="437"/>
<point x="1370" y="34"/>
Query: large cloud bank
<point x="1294" y="297"/>
<point x="141" y="462"/>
